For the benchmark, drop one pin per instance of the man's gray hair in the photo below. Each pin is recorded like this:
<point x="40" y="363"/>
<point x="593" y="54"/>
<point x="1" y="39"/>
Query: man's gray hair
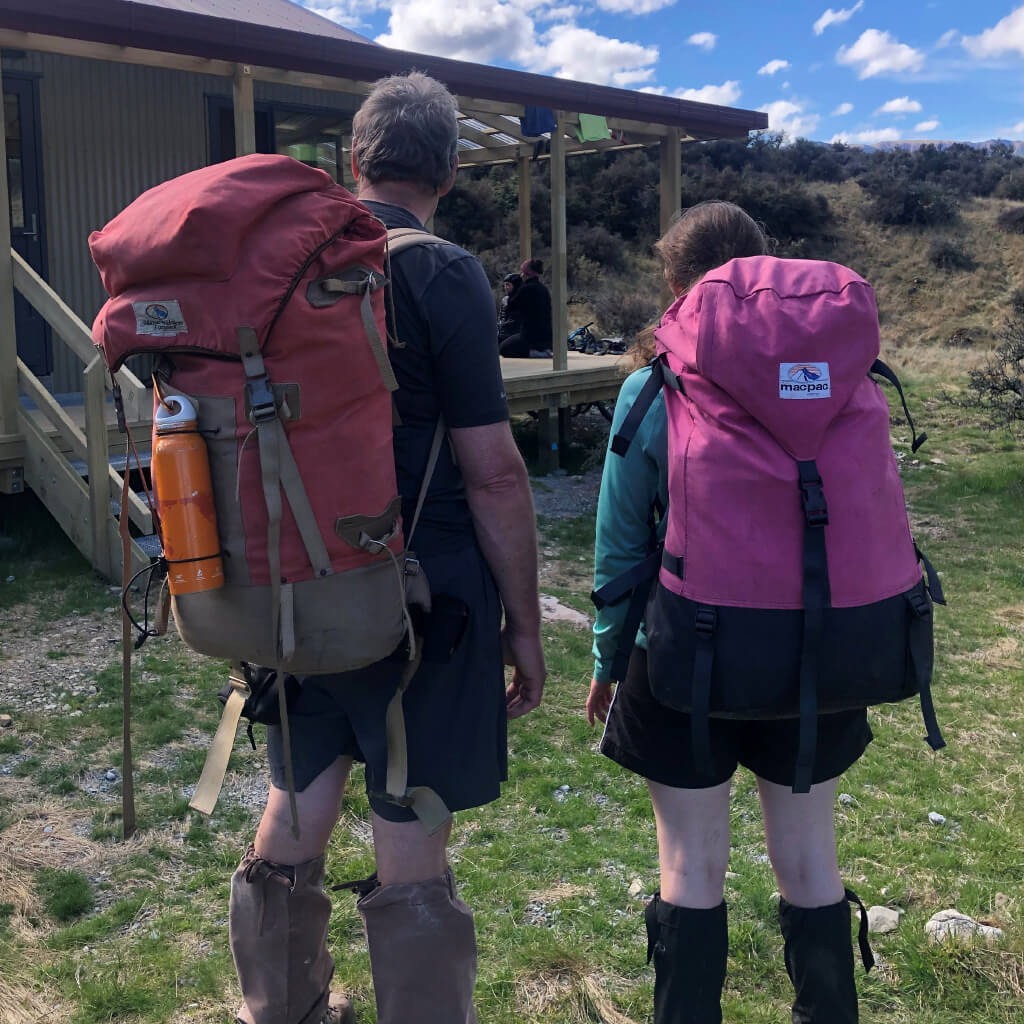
<point x="406" y="130"/>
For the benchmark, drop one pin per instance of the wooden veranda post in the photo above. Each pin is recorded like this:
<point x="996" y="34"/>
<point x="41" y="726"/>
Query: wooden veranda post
<point x="559" y="248"/>
<point x="8" y="337"/>
<point x="671" y="160"/>
<point x="245" y="111"/>
<point x="525" y="220"/>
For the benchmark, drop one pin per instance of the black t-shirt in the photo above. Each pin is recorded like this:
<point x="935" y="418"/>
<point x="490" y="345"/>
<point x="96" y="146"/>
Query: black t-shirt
<point x="531" y="303"/>
<point x="447" y="366"/>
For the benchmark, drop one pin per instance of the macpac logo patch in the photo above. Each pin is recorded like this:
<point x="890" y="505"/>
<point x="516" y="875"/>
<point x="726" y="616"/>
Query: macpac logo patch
<point x="163" y="319"/>
<point x="804" y="380"/>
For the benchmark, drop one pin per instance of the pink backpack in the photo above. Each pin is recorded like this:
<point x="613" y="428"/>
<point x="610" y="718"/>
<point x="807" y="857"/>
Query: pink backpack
<point x="259" y="285"/>
<point x="789" y="584"/>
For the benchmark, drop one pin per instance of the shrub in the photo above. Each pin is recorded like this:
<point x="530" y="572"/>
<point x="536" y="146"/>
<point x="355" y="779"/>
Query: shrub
<point x="65" y="894"/>
<point x="1017" y="304"/>
<point x="597" y="243"/>
<point x="626" y="312"/>
<point x="951" y="254"/>
<point x="997" y="389"/>
<point x="905" y="203"/>
<point x="1011" y="186"/>
<point x="1012" y="220"/>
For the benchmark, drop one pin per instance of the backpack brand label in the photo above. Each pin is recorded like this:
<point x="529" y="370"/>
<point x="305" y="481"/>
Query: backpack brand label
<point x="162" y="319"/>
<point x="804" y="380"/>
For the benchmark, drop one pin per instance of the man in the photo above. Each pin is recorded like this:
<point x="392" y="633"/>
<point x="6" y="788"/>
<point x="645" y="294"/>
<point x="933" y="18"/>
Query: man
<point x="477" y="544"/>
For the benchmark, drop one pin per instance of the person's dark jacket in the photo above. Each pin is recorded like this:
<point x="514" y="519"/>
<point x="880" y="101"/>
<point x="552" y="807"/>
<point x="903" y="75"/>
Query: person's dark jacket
<point x="508" y="323"/>
<point x="532" y="306"/>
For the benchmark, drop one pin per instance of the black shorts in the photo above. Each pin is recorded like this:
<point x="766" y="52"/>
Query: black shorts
<point x="654" y="741"/>
<point x="454" y="711"/>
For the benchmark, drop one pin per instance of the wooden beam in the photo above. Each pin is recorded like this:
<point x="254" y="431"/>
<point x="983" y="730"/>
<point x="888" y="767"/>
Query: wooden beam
<point x="308" y="80"/>
<point x="53" y="309"/>
<point x="245" y="111"/>
<point x="559" y="248"/>
<point x="509" y="154"/>
<point x="671" y="163"/>
<point x="8" y="332"/>
<point x="97" y="463"/>
<point x="525" y="218"/>
<point x="10" y="39"/>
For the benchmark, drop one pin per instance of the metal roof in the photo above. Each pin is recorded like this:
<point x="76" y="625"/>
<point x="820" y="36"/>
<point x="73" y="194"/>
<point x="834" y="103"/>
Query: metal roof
<point x="272" y="13"/>
<point x="164" y="27"/>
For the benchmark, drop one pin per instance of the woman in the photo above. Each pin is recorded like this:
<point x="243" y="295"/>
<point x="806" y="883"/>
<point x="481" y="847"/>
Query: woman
<point x="531" y="305"/>
<point x="508" y="325"/>
<point x="686" y="921"/>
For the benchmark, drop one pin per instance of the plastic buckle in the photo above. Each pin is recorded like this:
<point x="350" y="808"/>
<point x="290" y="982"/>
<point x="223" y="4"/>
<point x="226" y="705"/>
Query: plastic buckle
<point x="412" y="566"/>
<point x="707" y="618"/>
<point x="260" y="397"/>
<point x="815" y="506"/>
<point x="921" y="605"/>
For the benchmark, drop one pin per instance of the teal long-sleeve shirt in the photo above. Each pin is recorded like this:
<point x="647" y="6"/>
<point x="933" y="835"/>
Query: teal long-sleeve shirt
<point x="629" y="486"/>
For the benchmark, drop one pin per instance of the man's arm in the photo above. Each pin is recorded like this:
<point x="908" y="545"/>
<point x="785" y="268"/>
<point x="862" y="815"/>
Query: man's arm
<point x="498" y="492"/>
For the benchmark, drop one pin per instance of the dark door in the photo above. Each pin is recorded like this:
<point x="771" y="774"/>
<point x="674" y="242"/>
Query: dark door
<point x="25" y="188"/>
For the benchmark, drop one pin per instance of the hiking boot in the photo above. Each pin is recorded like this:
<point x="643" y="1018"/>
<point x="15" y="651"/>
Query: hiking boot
<point x="689" y="948"/>
<point x="278" y="932"/>
<point x="422" y="952"/>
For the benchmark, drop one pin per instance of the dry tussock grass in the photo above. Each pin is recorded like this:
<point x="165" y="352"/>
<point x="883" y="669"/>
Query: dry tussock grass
<point x="581" y="994"/>
<point x="557" y="893"/>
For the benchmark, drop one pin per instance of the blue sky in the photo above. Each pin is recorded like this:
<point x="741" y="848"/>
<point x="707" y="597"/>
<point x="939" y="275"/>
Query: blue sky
<point x="864" y="71"/>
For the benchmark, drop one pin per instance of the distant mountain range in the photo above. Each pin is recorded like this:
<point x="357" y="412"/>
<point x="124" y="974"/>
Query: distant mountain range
<point x="1017" y="147"/>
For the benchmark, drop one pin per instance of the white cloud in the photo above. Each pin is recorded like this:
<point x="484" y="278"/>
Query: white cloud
<point x="578" y="53"/>
<point x="947" y="39"/>
<point x="831" y="17"/>
<point x="1018" y="128"/>
<point x="705" y="40"/>
<point x="487" y="30"/>
<point x="1006" y="36"/>
<point x="772" y="66"/>
<point x="725" y="95"/>
<point x="350" y="13"/>
<point x="842" y="110"/>
<point x="791" y="118"/>
<point x="633" y="6"/>
<point x="926" y="126"/>
<point x="878" y="52"/>
<point x="867" y="138"/>
<point x="901" y="105"/>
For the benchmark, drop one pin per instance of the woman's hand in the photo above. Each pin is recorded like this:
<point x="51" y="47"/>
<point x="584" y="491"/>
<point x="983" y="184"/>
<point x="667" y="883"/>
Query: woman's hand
<point x="599" y="701"/>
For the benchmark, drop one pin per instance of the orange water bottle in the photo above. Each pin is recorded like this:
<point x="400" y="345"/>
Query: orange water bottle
<point x="184" y="493"/>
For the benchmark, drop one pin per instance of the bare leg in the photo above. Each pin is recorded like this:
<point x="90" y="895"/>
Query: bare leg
<point x="801" y="838"/>
<point x="693" y="843"/>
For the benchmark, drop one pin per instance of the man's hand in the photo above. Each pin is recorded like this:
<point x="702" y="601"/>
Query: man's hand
<point x="599" y="701"/>
<point x="524" y="652"/>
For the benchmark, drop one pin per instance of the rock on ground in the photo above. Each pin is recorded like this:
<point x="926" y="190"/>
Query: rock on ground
<point x="883" y="920"/>
<point x="552" y="610"/>
<point x="957" y="927"/>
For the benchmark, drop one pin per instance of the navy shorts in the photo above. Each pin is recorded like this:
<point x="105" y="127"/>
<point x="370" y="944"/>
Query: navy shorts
<point x="454" y="711"/>
<point x="654" y="741"/>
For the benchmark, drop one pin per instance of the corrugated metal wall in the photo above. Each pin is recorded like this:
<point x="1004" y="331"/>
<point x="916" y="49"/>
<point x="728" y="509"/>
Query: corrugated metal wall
<point x="110" y="131"/>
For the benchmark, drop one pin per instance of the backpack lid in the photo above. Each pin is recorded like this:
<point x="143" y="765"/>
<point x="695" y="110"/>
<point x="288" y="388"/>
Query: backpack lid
<point x="197" y="221"/>
<point x="787" y="340"/>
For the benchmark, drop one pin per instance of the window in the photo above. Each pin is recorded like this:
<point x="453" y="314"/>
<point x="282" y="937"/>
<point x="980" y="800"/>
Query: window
<point x="316" y="137"/>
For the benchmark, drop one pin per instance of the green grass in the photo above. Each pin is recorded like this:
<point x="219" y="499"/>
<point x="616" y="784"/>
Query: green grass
<point x="65" y="894"/>
<point x="549" y="878"/>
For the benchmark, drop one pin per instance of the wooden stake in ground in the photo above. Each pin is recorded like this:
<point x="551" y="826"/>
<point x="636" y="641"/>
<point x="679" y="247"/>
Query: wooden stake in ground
<point x="127" y="767"/>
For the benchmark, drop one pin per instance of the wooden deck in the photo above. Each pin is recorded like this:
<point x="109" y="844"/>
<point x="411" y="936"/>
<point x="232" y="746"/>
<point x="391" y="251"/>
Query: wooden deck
<point x="532" y="385"/>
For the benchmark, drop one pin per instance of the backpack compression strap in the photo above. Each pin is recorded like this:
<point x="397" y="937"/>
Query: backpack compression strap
<point x="661" y="376"/>
<point x="883" y="371"/>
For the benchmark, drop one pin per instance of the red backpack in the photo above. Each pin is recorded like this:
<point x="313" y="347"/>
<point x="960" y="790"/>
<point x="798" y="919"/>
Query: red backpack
<point x="259" y="285"/>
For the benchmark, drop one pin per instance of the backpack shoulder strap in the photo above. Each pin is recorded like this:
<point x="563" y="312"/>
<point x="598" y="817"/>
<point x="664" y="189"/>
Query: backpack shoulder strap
<point x="400" y="239"/>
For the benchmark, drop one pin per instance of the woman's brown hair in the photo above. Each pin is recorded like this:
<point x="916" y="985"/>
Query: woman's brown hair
<point x="704" y="237"/>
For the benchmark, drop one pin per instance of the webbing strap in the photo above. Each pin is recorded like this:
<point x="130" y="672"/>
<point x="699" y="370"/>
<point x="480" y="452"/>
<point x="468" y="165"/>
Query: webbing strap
<point x="615" y="590"/>
<point x="127" y="762"/>
<point x="298" y="501"/>
<point x="817" y="597"/>
<point x="428" y="475"/>
<point x="934" y="584"/>
<point x="215" y="768"/>
<point x="428" y="807"/>
<point x="883" y="371"/>
<point x="380" y="352"/>
<point x="862" y="932"/>
<point x="700" y="704"/>
<point x="631" y="424"/>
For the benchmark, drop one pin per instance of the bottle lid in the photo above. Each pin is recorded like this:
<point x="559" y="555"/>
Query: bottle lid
<point x="174" y="411"/>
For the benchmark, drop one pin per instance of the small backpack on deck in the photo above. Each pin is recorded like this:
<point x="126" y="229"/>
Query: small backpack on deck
<point x="259" y="284"/>
<point x="789" y="585"/>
